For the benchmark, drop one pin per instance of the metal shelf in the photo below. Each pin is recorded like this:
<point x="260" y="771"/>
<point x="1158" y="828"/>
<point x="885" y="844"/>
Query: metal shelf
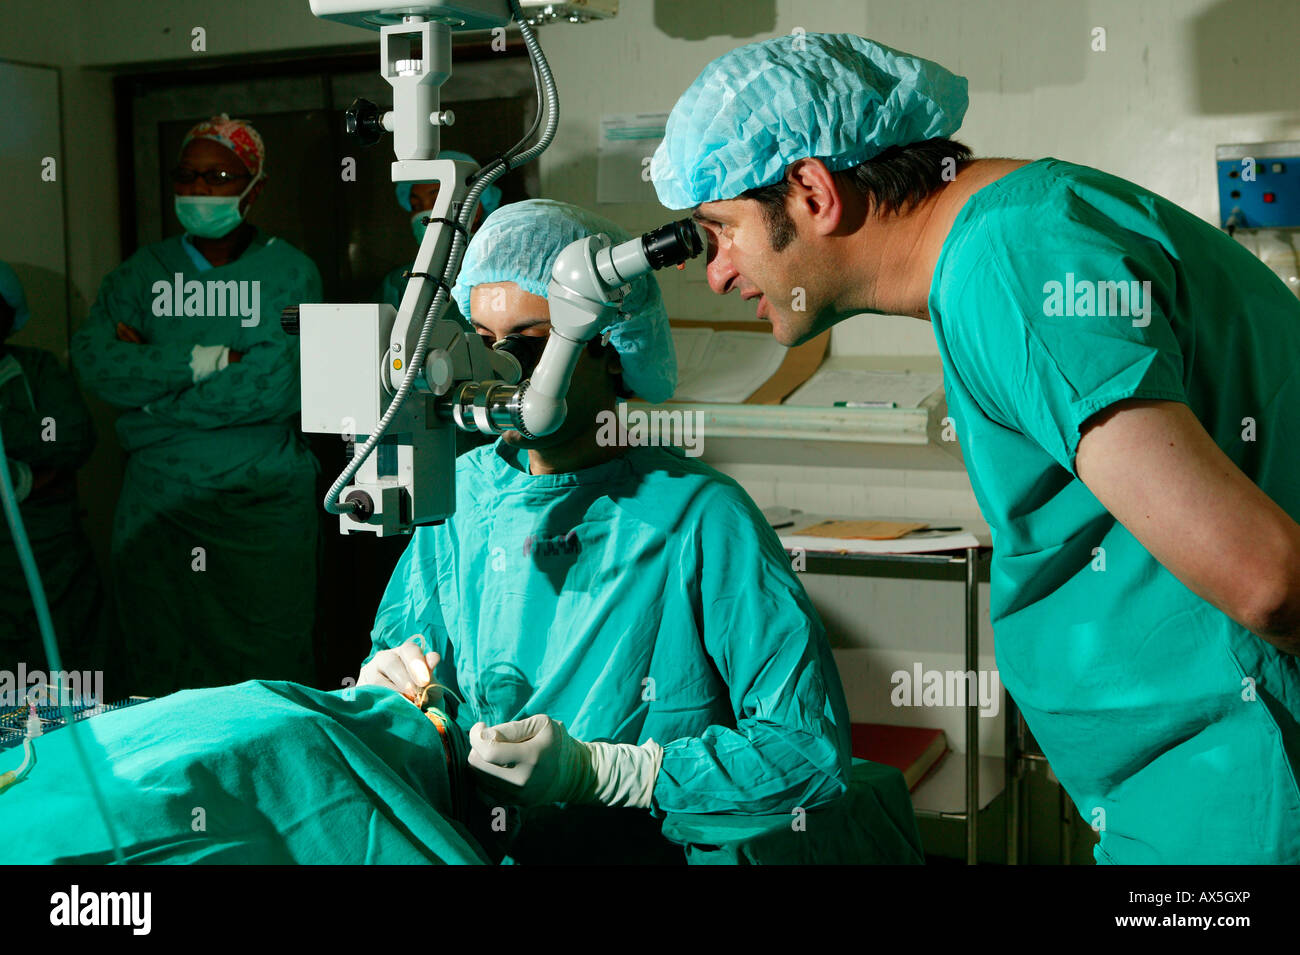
<point x="912" y="426"/>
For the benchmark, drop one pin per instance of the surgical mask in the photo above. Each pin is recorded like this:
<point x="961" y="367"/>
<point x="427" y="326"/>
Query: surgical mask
<point x="211" y="217"/>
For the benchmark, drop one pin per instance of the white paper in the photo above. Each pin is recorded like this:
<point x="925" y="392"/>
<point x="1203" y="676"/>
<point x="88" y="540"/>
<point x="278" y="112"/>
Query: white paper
<point x="723" y="367"/>
<point x="691" y="346"/>
<point x="907" y="389"/>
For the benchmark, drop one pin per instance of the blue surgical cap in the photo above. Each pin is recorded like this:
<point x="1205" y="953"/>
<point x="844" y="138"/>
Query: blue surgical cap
<point x="835" y="97"/>
<point x="11" y="290"/>
<point x="520" y="242"/>
<point x="489" y="201"/>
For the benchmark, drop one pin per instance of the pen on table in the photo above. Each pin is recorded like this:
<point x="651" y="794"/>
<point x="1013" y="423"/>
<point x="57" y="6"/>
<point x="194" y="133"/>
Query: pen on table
<point x="866" y="404"/>
<point x="922" y="530"/>
<point x="777" y="527"/>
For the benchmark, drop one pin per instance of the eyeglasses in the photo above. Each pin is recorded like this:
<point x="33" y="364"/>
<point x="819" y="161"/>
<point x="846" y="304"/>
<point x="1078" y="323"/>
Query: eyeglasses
<point x="213" y="177"/>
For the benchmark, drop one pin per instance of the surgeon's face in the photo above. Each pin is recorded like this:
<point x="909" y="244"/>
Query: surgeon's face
<point x="503" y="308"/>
<point x="209" y="160"/>
<point x="785" y="286"/>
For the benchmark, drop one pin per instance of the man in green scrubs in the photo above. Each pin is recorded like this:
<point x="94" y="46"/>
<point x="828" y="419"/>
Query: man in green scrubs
<point x="214" y="538"/>
<point x="1123" y="379"/>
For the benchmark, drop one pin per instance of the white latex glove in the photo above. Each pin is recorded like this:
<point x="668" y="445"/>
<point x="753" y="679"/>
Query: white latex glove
<point x="405" y="669"/>
<point x="535" y="762"/>
<point x="207" y="360"/>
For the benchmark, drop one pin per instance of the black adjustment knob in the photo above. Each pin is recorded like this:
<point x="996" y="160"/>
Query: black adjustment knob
<point x="289" y="320"/>
<point x="364" y="122"/>
<point x="363" y="506"/>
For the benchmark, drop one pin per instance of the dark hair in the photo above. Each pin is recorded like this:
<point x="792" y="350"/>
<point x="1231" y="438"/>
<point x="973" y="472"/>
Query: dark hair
<point x="597" y="349"/>
<point x="895" y="181"/>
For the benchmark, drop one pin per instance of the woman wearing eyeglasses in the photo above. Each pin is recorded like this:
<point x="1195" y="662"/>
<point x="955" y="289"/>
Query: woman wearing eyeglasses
<point x="214" y="538"/>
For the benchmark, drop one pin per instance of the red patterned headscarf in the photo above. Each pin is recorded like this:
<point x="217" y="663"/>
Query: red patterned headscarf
<point x="237" y="135"/>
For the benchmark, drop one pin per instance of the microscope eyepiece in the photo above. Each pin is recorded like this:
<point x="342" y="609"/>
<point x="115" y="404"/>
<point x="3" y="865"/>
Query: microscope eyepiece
<point x="672" y="244"/>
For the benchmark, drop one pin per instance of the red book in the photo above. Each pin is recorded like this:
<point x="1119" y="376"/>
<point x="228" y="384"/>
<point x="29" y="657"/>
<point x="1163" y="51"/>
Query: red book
<point x="913" y="750"/>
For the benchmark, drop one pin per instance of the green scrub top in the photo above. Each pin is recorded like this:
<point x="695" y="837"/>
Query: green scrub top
<point x="642" y="598"/>
<point x="1173" y="728"/>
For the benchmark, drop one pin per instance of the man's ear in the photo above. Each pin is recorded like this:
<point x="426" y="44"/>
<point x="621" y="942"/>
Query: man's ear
<point x="815" y="189"/>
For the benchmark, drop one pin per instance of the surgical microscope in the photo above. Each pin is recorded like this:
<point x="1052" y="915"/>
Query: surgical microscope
<point x="407" y="378"/>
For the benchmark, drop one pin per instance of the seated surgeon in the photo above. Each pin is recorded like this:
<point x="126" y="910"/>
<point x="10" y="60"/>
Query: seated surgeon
<point x="622" y="624"/>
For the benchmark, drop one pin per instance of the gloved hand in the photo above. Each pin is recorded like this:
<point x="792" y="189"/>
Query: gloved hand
<point x="404" y="669"/>
<point x="535" y="762"/>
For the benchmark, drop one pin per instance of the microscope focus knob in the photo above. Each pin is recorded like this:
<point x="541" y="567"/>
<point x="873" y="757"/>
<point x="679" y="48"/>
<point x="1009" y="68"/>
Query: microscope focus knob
<point x="439" y="371"/>
<point x="289" y="320"/>
<point x="364" y="122"/>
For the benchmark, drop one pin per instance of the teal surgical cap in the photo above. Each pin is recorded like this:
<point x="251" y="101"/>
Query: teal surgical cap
<point x="11" y="290"/>
<point x="489" y="201"/>
<point x="835" y="97"/>
<point x="520" y="242"/>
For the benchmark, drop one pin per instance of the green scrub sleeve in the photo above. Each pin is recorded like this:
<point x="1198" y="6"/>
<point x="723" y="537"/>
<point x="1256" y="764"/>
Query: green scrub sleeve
<point x="264" y="385"/>
<point x="60" y="415"/>
<point x="789" y="745"/>
<point x="1054" y="330"/>
<point x="123" y="373"/>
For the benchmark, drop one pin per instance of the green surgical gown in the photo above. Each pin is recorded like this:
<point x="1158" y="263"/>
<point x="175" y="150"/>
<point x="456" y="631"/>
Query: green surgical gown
<point x="1173" y="729"/>
<point x="214" y="538"/>
<point x="257" y="773"/>
<point x="645" y="597"/>
<point x="46" y="427"/>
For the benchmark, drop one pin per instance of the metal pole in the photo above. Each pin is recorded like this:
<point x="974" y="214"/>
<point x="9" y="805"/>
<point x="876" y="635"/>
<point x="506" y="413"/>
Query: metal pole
<point x="1011" y="714"/>
<point x="972" y="708"/>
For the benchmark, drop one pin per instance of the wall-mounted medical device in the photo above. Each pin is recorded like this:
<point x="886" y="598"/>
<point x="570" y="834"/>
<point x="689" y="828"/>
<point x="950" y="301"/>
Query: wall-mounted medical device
<point x="1259" y="185"/>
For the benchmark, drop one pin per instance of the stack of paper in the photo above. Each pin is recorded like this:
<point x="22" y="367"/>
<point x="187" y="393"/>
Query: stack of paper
<point x="905" y="389"/>
<point x="872" y="537"/>
<point x="723" y="366"/>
